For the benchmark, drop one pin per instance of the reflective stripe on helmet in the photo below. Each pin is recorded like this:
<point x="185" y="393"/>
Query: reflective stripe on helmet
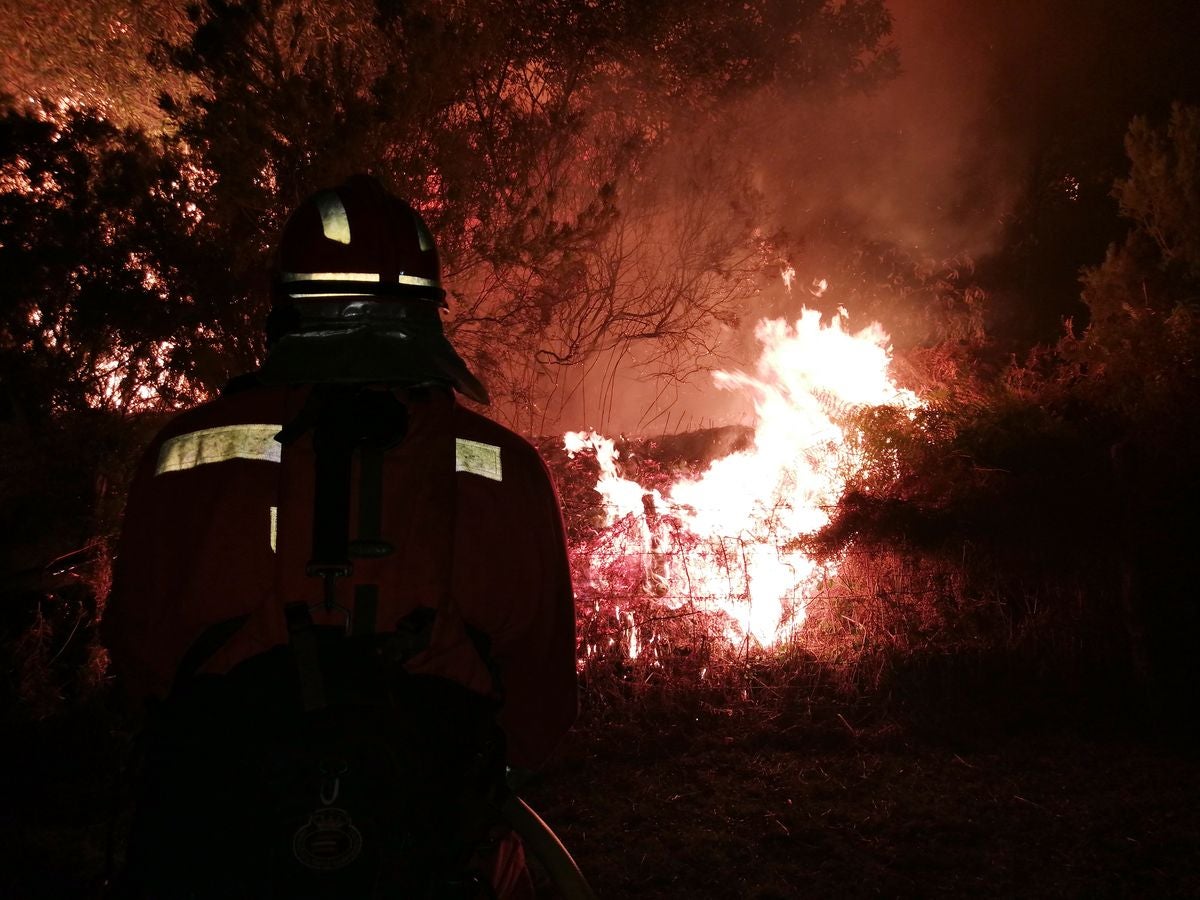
<point x="424" y="238"/>
<point x="335" y="224"/>
<point x="214" y="445"/>
<point x="338" y="294"/>
<point x="292" y="277"/>
<point x="329" y="276"/>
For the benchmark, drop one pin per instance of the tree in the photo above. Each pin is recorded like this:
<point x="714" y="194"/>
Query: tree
<point x="93" y="222"/>
<point x="1162" y="192"/>
<point x="528" y="135"/>
<point x="1142" y="340"/>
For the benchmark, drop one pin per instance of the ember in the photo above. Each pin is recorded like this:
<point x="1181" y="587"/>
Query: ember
<point x="724" y="545"/>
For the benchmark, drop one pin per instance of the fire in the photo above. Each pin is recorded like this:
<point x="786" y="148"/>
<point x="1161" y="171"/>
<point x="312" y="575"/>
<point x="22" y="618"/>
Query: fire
<point x="123" y="380"/>
<point x="726" y="542"/>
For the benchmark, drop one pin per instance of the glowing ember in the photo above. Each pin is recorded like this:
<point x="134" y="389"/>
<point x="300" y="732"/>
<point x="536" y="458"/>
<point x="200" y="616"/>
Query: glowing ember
<point x="725" y="543"/>
<point x="789" y="275"/>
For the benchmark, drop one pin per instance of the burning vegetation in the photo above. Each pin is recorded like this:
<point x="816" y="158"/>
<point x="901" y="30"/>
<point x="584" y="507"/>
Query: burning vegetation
<point x="716" y="555"/>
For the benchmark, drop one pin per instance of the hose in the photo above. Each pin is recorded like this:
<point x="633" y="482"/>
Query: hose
<point x="544" y="844"/>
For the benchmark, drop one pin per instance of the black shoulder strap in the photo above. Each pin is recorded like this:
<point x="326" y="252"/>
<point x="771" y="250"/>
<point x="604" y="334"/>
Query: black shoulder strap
<point x="302" y="636"/>
<point x="212" y="639"/>
<point x="346" y="420"/>
<point x="353" y="420"/>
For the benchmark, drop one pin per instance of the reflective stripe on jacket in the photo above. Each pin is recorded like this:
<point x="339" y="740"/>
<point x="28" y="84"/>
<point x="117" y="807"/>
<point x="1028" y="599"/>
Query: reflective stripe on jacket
<point x="219" y="525"/>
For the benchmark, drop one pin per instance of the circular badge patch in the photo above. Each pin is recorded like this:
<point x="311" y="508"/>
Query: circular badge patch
<point x="329" y="841"/>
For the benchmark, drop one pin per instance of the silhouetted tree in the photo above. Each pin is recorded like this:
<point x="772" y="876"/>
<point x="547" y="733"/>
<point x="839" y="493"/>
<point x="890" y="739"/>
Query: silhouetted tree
<point x="1140" y="346"/>
<point x="94" y="325"/>
<point x="91" y="220"/>
<point x="527" y="133"/>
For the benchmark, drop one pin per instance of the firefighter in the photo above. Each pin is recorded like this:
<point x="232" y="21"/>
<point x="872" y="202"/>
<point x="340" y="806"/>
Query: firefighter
<point x="337" y="524"/>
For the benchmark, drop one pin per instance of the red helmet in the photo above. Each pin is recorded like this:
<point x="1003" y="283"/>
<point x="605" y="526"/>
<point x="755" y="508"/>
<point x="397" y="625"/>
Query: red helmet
<point x="358" y="239"/>
<point x="356" y="295"/>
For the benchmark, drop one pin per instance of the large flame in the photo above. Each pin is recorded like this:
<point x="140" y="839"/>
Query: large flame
<point x="727" y="542"/>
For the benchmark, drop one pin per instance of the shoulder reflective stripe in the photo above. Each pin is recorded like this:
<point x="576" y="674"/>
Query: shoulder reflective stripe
<point x="274" y="528"/>
<point x="328" y="276"/>
<point x="334" y="222"/>
<point x="214" y="445"/>
<point x="477" y="458"/>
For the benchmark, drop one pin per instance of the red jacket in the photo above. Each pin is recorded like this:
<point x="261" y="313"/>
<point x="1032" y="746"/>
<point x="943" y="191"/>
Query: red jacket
<point x="219" y="524"/>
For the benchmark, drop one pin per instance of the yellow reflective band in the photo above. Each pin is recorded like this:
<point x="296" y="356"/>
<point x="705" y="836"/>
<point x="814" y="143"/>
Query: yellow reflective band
<point x="274" y="527"/>
<point x="372" y="277"/>
<point x="329" y="276"/>
<point x="334" y="222"/>
<point x="477" y="459"/>
<point x="416" y="279"/>
<point x="339" y="294"/>
<point x="214" y="445"/>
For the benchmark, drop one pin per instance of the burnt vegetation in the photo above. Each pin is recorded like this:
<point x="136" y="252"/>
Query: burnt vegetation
<point x="1015" y="559"/>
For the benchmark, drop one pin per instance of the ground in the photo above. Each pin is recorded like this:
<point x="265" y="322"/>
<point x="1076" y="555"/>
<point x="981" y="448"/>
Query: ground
<point x="694" y="800"/>
<point x="742" y="803"/>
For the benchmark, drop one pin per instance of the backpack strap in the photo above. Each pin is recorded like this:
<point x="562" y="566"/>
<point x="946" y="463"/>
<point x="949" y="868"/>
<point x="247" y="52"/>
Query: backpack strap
<point x="349" y="422"/>
<point x="302" y="636"/>
<point x="204" y="648"/>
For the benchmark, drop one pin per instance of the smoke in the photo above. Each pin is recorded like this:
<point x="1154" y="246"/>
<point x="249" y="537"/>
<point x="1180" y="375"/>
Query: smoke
<point x="936" y="159"/>
<point x="915" y="164"/>
<point x="922" y="161"/>
<point x="992" y="101"/>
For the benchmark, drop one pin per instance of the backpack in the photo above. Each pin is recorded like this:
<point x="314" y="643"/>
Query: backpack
<point x="391" y="788"/>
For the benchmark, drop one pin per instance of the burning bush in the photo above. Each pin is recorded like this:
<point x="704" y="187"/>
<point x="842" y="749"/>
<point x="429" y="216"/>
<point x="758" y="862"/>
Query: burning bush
<point x="690" y="559"/>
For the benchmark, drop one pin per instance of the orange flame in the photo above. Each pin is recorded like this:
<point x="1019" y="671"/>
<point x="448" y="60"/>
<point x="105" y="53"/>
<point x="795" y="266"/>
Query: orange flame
<point x="726" y="542"/>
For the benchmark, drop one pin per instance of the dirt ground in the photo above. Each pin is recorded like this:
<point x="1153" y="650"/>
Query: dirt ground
<point x="745" y="804"/>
